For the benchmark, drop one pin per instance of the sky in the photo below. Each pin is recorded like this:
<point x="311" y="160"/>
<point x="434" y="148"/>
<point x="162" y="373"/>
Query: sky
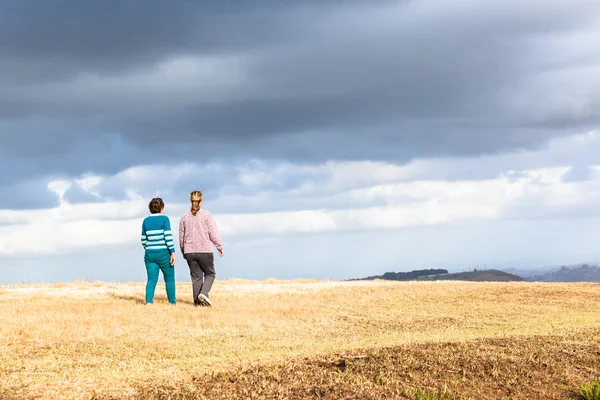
<point x="331" y="139"/>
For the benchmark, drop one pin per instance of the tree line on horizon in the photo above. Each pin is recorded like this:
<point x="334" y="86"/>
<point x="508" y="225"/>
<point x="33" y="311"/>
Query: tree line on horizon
<point x="404" y="276"/>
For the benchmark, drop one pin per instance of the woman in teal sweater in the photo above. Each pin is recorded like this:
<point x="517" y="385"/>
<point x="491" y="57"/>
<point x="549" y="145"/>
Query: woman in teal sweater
<point x="157" y="240"/>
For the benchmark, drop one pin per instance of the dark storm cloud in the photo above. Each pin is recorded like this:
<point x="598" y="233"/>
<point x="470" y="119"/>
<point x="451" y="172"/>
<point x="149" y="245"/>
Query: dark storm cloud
<point x="98" y="88"/>
<point x="60" y="38"/>
<point x="27" y="195"/>
<point x="76" y="194"/>
<point x="34" y="151"/>
<point x="174" y="182"/>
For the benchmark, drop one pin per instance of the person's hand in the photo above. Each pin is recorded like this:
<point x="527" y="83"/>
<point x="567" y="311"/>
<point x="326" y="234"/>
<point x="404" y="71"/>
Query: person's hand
<point x="172" y="259"/>
<point x="221" y="253"/>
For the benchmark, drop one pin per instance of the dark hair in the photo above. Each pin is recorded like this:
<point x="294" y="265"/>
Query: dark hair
<point x="156" y="205"/>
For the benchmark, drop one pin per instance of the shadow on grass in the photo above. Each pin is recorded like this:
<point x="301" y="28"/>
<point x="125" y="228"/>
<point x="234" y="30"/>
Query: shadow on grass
<point x="528" y="367"/>
<point x="137" y="300"/>
<point x="5" y="394"/>
<point x="141" y="300"/>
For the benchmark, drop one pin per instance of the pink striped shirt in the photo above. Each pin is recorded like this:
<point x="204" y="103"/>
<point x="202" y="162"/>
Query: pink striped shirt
<point x="198" y="233"/>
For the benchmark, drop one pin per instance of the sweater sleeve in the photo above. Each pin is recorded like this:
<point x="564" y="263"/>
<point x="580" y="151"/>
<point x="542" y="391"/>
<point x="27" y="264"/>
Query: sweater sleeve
<point x="169" y="236"/>
<point x="213" y="233"/>
<point x="144" y="237"/>
<point x="181" y="234"/>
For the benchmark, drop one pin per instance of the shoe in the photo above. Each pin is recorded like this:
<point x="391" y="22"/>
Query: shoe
<point x="204" y="300"/>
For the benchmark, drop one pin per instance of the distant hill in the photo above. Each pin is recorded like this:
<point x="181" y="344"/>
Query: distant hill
<point x="565" y="273"/>
<point x="404" y="276"/>
<point x="490" y="275"/>
<point x="573" y="273"/>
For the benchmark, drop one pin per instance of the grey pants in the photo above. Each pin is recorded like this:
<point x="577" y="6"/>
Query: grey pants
<point x="202" y="271"/>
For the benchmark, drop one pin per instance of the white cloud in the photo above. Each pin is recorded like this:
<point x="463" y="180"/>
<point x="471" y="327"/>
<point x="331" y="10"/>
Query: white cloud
<point x="263" y="200"/>
<point x="59" y="187"/>
<point x="356" y="218"/>
<point x="407" y="204"/>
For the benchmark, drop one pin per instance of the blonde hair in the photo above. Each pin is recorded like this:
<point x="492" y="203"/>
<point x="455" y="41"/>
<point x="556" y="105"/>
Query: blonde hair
<point x="195" y="199"/>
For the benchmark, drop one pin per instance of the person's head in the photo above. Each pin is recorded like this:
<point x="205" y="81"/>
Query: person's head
<point x="196" y="200"/>
<point x="156" y="205"/>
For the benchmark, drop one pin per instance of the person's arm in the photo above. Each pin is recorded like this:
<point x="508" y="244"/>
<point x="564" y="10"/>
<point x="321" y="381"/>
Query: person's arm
<point x="169" y="236"/>
<point x="181" y="234"/>
<point x="213" y="234"/>
<point x="169" y="240"/>
<point x="144" y="237"/>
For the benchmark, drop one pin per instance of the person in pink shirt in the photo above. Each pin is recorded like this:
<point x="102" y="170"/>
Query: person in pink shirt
<point x="197" y="234"/>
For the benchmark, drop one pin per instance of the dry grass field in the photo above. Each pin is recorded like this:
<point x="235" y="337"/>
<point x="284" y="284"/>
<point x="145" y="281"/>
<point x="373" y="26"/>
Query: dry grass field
<point x="301" y="339"/>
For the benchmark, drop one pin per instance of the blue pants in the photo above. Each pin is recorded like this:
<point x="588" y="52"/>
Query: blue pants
<point x="156" y="260"/>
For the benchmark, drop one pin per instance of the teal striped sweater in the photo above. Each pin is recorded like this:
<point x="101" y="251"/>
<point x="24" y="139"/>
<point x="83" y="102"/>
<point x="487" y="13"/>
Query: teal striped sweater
<point x="156" y="233"/>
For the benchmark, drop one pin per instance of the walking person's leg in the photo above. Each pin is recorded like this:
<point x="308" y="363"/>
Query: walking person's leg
<point x="152" y="271"/>
<point x="207" y="264"/>
<point x="196" y="275"/>
<point x="168" y="271"/>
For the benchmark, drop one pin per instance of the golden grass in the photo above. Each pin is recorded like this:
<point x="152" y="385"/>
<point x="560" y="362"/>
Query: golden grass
<point x="82" y="339"/>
